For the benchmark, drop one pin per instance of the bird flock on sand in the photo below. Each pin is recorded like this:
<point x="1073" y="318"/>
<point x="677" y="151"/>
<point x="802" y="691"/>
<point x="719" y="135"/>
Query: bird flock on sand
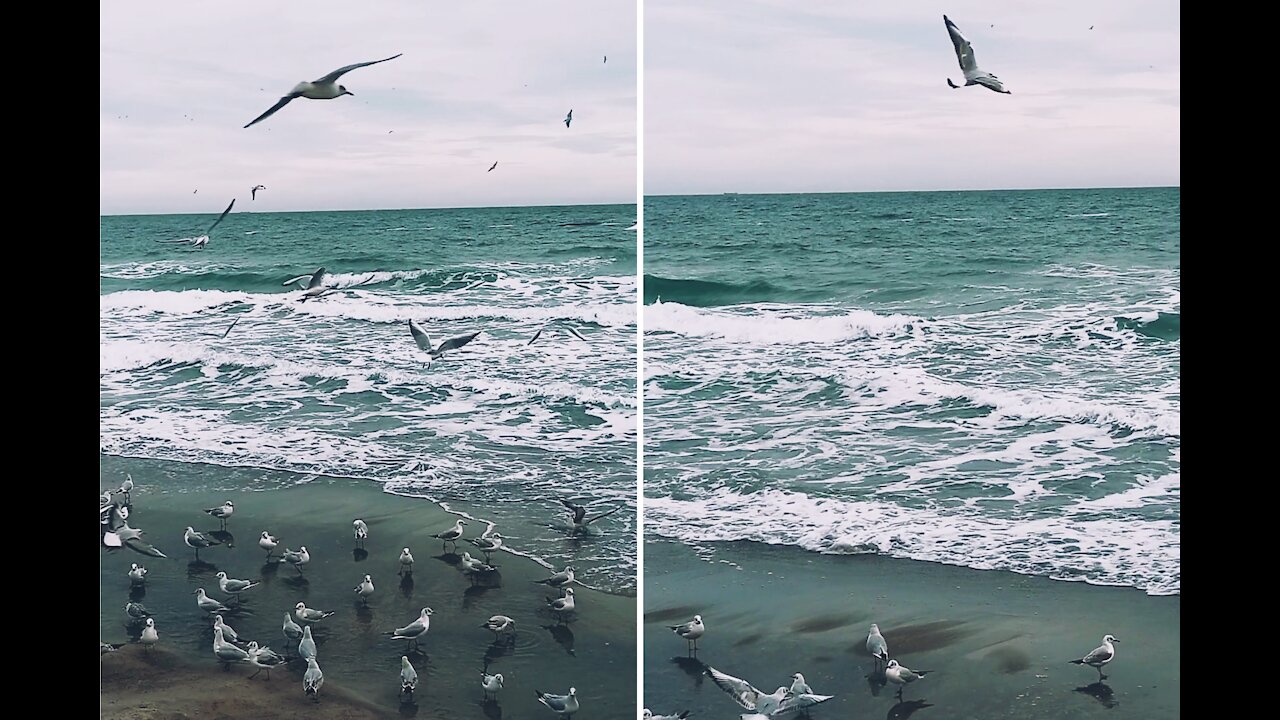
<point x="799" y="696"/>
<point x="232" y="649"/>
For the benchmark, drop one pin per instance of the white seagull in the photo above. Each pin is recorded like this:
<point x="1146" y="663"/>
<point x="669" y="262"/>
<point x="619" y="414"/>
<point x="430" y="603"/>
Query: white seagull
<point x="361" y="531"/>
<point x="208" y="604"/>
<point x="263" y="658"/>
<point x="690" y="631"/>
<point x="233" y="587"/>
<point x="149" y="635"/>
<point x="310" y="615"/>
<point x="126" y="487"/>
<point x="414" y="631"/>
<point x="408" y="676"/>
<point x="562" y="605"/>
<point x="222" y="512"/>
<point x="492" y="684"/>
<point x="406" y="562"/>
<point x="473" y="566"/>
<point x="227" y="631"/>
<point x="423" y="341"/>
<point x="325" y="88"/>
<point x="876" y="645"/>
<point x="564" y="705"/>
<point x="268" y="543"/>
<point x="556" y="325"/>
<point x="292" y="630"/>
<point x="1099" y="656"/>
<point x="452" y="534"/>
<point x="679" y="716"/>
<point x="365" y="589"/>
<point x="799" y="686"/>
<point x="298" y="559"/>
<point x="137" y="574"/>
<point x="757" y="701"/>
<point x="307" y="645"/>
<point x="902" y="676"/>
<point x="580" y="519"/>
<point x="201" y="241"/>
<point x="197" y="540"/>
<point x="560" y="579"/>
<point x="487" y="543"/>
<point x="500" y="625"/>
<point x="312" y="679"/>
<point x="225" y="651"/>
<point x="973" y="75"/>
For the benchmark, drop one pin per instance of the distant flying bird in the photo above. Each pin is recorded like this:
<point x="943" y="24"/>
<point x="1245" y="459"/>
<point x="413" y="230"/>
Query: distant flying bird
<point x="253" y="191"/>
<point x="193" y="192"/>
<point x="568" y="118"/>
<point x="203" y="240"/>
<point x="423" y="341"/>
<point x="225" y="333"/>
<point x="325" y="88"/>
<point x="494" y="165"/>
<point x="969" y="64"/>
<point x="1090" y="27"/>
<point x="606" y="58"/>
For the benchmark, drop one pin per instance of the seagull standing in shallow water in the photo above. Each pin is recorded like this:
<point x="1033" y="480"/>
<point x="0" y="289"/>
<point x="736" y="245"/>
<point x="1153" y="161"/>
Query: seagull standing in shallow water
<point x="492" y="684"/>
<point x="563" y="705"/>
<point x="325" y="88"/>
<point x="223" y="512"/>
<point x="361" y="530"/>
<point x="1099" y="656"/>
<point x="452" y="534"/>
<point x="406" y="562"/>
<point x="690" y="631"/>
<point x="408" y="677"/>
<point x="365" y="589"/>
<point x="973" y="75"/>
<point x="197" y="540"/>
<point x="268" y="543"/>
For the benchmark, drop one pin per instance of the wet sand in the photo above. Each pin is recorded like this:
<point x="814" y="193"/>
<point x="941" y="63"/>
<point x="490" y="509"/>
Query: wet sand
<point x="594" y="651"/>
<point x="998" y="643"/>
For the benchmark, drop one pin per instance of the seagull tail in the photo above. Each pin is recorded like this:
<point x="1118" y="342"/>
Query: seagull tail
<point x="953" y="85"/>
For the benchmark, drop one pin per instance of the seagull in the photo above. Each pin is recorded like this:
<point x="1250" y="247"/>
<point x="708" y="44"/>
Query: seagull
<point x="406" y="562"/>
<point x="137" y="575"/>
<point x="452" y="534"/>
<point x="491" y="167"/>
<point x="562" y="328"/>
<point x="969" y="64"/>
<point x="109" y="647"/>
<point x="408" y="677"/>
<point x="606" y="59"/>
<point x="365" y="589"/>
<point x="902" y="676"/>
<point x="565" y="705"/>
<point x="568" y="118"/>
<point x="414" y="630"/>
<point x="253" y="191"/>
<point x="580" y="519"/>
<point x="309" y="615"/>
<point x="492" y="684"/>
<point x="119" y="533"/>
<point x="233" y="587"/>
<point x="307" y="645"/>
<point x="225" y="651"/>
<point x="136" y="612"/>
<point x="208" y="604"/>
<point x="312" y="679"/>
<point x="1099" y="656"/>
<point x="200" y="242"/>
<point x="268" y="543"/>
<point x="149" y="635"/>
<point x="472" y="566"/>
<point x="325" y="88"/>
<point x="690" y="631"/>
<point x="297" y="559"/>
<point x="222" y="512"/>
<point x="560" y="579"/>
<point x="501" y="625"/>
<point x="799" y="686"/>
<point x="436" y="352"/>
<point x="224" y="333"/>
<point x="487" y="543"/>
<point x="197" y="540"/>
<point x="561" y="605"/>
<point x="227" y="631"/>
<point x="361" y="531"/>
<point x="679" y="716"/>
<point x="312" y="281"/>
<point x="758" y="702"/>
<point x="876" y="645"/>
<point x="292" y="630"/>
<point x="126" y="487"/>
<point x="263" y="658"/>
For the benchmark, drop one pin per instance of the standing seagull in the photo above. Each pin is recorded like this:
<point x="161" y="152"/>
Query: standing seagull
<point x="222" y="512"/>
<point x="969" y="64"/>
<point x="313" y="678"/>
<point x="361" y="530"/>
<point x="799" y="686"/>
<point x="560" y="579"/>
<point x="200" y="242"/>
<point x="876" y="645"/>
<point x="208" y="604"/>
<point x="423" y="341"/>
<point x="408" y="677"/>
<point x="126" y="487"/>
<point x="902" y="676"/>
<point x="562" y="605"/>
<point x="491" y="167"/>
<point x="325" y="88"/>
<point x="568" y="118"/>
<point x="292" y="630"/>
<point x="298" y="559"/>
<point x="414" y="631"/>
<point x="365" y="589"/>
<point x="501" y="626"/>
<point x="307" y="645"/>
<point x="580" y="519"/>
<point x="492" y="684"/>
<point x="197" y="540"/>
<point x="137" y="575"/>
<point x="309" y="615"/>
<point x="268" y="543"/>
<point x="563" y="705"/>
<point x="1099" y="656"/>
<point x="253" y="191"/>
<point x="488" y="543"/>
<point x="406" y="562"/>
<point x="452" y="534"/>
<point x="690" y="631"/>
<point x="149" y="635"/>
<point x="233" y="587"/>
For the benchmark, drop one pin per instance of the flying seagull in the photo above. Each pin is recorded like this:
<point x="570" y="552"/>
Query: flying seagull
<point x="969" y="64"/>
<point x="226" y="333"/>
<point x="1099" y="656"/>
<point x="759" y="702"/>
<point x="203" y="240"/>
<point x="580" y="519"/>
<point x="556" y="326"/>
<point x="606" y="58"/>
<point x="491" y="167"/>
<point x="253" y="191"/>
<point x="568" y="118"/>
<point x="325" y="88"/>
<point x="437" y="351"/>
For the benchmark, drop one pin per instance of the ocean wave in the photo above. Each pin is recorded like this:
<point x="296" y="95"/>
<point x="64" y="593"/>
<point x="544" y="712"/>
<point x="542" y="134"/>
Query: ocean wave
<point x="708" y="293"/>
<point x="760" y="324"/>
<point x="1155" y="324"/>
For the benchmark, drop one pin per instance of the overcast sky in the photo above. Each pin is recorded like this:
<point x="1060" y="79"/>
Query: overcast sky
<point x="851" y="95"/>
<point x="479" y="82"/>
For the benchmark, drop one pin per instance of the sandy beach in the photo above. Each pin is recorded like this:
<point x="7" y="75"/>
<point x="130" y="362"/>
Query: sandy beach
<point x="594" y="651"/>
<point x="997" y="643"/>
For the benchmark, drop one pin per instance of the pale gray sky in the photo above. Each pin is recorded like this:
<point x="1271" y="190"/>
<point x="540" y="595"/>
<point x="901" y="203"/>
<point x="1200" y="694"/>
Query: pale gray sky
<point x="851" y="95"/>
<point x="479" y="81"/>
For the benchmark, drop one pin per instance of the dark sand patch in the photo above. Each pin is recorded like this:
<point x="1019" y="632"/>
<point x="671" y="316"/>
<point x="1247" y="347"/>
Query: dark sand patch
<point x="683" y="612"/>
<point x="1009" y="660"/>
<point x="922" y="637"/>
<point x="824" y="623"/>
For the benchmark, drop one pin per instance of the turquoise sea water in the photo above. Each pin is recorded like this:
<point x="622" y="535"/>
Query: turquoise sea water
<point x="498" y="429"/>
<point x="988" y="379"/>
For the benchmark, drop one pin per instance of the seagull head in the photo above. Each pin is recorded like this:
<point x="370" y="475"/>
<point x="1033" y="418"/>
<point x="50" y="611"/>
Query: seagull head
<point x="300" y="606"/>
<point x="573" y="691"/>
<point x="697" y="618"/>
<point x="568" y="591"/>
<point x="797" y="676"/>
<point x="892" y="663"/>
<point x="342" y="90"/>
<point x="1110" y="638"/>
<point x="428" y="611"/>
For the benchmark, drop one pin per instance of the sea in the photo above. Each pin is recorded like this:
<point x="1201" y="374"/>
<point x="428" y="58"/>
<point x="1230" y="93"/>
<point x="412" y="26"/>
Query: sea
<point x="499" y="430"/>
<point x="982" y="379"/>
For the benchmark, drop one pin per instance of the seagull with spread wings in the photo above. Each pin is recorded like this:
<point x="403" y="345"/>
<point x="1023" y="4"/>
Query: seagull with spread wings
<point x="759" y="703"/>
<point x="580" y="519"/>
<point x="423" y="341"/>
<point x="325" y="88"/>
<point x="973" y="75"/>
<point x="201" y="241"/>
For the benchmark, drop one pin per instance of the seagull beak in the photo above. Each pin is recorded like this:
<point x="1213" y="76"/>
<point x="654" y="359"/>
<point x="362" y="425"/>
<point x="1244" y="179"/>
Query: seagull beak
<point x="350" y="93"/>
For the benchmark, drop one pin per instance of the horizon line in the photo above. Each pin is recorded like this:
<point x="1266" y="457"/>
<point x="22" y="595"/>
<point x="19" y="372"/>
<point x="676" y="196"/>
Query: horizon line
<point x="941" y="190"/>
<point x="451" y="207"/>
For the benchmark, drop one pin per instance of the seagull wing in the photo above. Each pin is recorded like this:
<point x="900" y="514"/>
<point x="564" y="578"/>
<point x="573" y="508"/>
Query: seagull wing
<point x="233" y="324"/>
<point x="333" y="76"/>
<point x="534" y="338"/>
<point x="142" y="546"/>
<point x="279" y="104"/>
<point x="804" y="700"/>
<point x="298" y="279"/>
<point x="1099" y="654"/>
<point x="594" y="518"/>
<point x="740" y="690"/>
<point x="575" y="333"/>
<point x="224" y="214"/>
<point x="455" y="343"/>
<point x="316" y="278"/>
<point x="420" y="336"/>
<point x="964" y="51"/>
